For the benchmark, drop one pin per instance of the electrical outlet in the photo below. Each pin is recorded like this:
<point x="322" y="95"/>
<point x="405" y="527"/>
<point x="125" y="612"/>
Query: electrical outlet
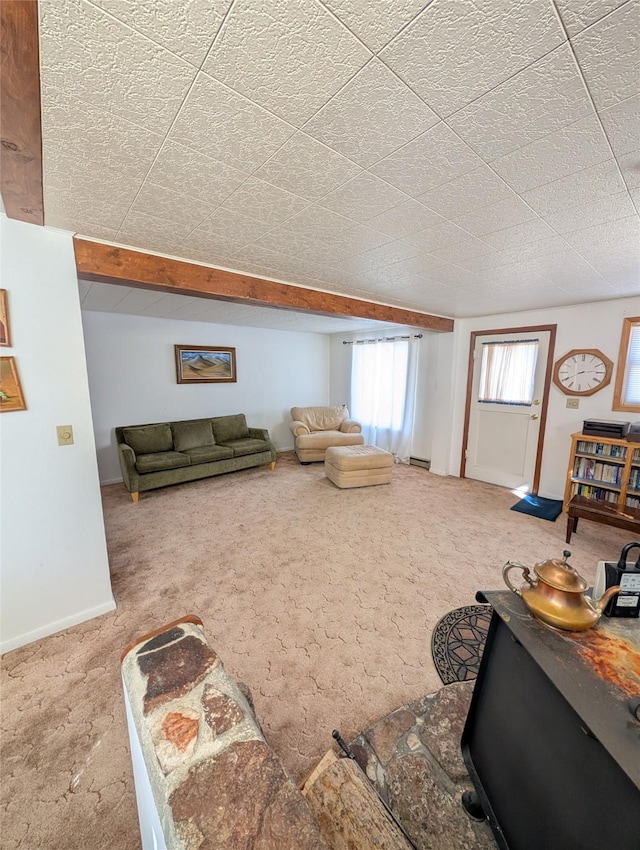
<point x="65" y="435"/>
<point x="573" y="403"/>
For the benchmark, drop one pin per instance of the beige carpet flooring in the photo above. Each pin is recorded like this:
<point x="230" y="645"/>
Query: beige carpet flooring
<point x="321" y="600"/>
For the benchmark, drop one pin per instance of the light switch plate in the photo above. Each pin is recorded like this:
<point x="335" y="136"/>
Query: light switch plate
<point x="65" y="435"/>
<point x="573" y="403"/>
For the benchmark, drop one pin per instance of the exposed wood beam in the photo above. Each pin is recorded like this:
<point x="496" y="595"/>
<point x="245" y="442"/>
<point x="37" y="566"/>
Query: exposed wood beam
<point x="20" y="124"/>
<point x="111" y="264"/>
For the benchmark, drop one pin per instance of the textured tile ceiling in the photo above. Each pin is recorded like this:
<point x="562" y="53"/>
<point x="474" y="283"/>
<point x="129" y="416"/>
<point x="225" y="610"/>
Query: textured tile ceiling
<point x="453" y="157"/>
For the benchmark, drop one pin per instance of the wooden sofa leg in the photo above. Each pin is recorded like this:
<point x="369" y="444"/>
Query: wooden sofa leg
<point x="134" y="497"/>
<point x="272" y="465"/>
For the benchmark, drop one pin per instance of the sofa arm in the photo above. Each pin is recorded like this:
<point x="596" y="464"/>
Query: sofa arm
<point x="263" y="434"/>
<point x="299" y="428"/>
<point x="350" y="426"/>
<point x="130" y="476"/>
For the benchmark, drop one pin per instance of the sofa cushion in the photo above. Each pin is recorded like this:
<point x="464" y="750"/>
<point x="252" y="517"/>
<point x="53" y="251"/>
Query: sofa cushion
<point x="144" y="439"/>
<point x="192" y="434"/>
<point x="157" y="461"/>
<point x="227" y="428"/>
<point x="320" y="418"/>
<point x="205" y="454"/>
<point x="248" y="446"/>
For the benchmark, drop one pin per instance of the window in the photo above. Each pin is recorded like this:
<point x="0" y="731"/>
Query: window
<point x="507" y="372"/>
<point x="626" y="395"/>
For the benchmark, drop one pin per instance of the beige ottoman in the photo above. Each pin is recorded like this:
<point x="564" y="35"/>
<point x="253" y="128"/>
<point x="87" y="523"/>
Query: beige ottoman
<point x="357" y="466"/>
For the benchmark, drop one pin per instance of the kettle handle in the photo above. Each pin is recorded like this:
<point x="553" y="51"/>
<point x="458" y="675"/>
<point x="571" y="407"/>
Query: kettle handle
<point x="526" y="575"/>
<point x="622" y="562"/>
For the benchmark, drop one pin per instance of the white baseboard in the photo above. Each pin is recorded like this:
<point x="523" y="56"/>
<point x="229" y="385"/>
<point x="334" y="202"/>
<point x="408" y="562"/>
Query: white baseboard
<point x="438" y="472"/>
<point x="56" y="626"/>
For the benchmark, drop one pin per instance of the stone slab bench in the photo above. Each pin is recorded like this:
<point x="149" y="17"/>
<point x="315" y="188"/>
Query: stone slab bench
<point x="205" y="776"/>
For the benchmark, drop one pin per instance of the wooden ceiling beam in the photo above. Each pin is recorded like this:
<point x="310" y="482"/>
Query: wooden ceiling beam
<point x="98" y="261"/>
<point x="20" y="122"/>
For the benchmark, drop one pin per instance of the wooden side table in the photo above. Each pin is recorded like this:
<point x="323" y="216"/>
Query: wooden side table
<point x="608" y="513"/>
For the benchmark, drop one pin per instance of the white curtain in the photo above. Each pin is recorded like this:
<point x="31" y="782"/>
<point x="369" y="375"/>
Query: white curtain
<point x="383" y="390"/>
<point x="508" y="371"/>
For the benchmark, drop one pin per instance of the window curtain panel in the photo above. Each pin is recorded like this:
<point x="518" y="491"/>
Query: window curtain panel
<point x="383" y="392"/>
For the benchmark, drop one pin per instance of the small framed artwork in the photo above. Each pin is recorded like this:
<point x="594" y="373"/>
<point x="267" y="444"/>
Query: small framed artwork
<point x="11" y="397"/>
<point x="5" y="334"/>
<point x="205" y="364"/>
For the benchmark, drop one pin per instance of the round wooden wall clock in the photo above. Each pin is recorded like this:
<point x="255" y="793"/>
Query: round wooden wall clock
<point x="582" y="371"/>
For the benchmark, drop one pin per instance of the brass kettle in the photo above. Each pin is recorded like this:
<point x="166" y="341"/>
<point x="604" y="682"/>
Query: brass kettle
<point x="556" y="596"/>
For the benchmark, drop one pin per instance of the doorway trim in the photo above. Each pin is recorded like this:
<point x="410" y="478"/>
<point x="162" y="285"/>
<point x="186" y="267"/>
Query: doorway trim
<point x="545" y="396"/>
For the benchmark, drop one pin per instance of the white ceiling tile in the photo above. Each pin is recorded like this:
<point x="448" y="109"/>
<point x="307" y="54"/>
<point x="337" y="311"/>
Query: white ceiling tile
<point x="435" y="269"/>
<point x="285" y="242"/>
<point x="188" y="172"/>
<point x="226" y="126"/>
<point x="635" y="197"/>
<point x="609" y="55"/>
<point x="110" y="66"/>
<point x="315" y="55"/>
<point x="475" y="189"/>
<point x="152" y="233"/>
<point x="601" y="211"/>
<point x="182" y="210"/>
<point x="622" y="125"/>
<point x="539" y="100"/>
<point x="505" y="213"/>
<point x="262" y="201"/>
<point x="186" y="28"/>
<point x="607" y="237"/>
<point x="135" y="301"/>
<point x="166" y="306"/>
<point x="454" y="52"/>
<point x="86" y="132"/>
<point x="104" y="297"/>
<point x="580" y="14"/>
<point x="466" y="253"/>
<point x="521" y="234"/>
<point x="376" y="21"/>
<point x="80" y="228"/>
<point x="405" y="219"/>
<point x="384" y="255"/>
<point x="307" y="168"/>
<point x="363" y="198"/>
<point x="439" y="236"/>
<point x="582" y="187"/>
<point x="371" y="116"/>
<point x="630" y="167"/>
<point x="317" y="222"/>
<point x="574" y="148"/>
<point x="83" y="288"/>
<point x="435" y="157"/>
<point x="227" y="227"/>
<point x="82" y="190"/>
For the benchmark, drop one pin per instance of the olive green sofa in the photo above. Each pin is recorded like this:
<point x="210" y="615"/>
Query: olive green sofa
<point x="165" y="453"/>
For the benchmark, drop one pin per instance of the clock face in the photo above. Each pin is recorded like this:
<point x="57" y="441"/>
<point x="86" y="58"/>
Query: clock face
<point x="582" y="372"/>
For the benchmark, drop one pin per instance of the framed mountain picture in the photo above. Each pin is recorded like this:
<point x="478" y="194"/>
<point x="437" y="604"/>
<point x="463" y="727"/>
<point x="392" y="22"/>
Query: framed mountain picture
<point x="205" y="364"/>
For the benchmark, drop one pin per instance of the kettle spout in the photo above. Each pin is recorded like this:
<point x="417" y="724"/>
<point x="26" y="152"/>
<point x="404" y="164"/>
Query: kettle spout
<point x="599" y="605"/>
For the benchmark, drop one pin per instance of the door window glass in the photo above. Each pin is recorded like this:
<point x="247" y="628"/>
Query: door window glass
<point x="507" y="372"/>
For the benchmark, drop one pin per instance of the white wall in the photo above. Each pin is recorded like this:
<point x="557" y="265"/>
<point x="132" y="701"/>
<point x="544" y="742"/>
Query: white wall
<point x="596" y="325"/>
<point x="54" y="571"/>
<point x="132" y="376"/>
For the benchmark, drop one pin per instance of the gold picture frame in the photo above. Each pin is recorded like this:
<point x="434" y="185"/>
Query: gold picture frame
<point x="11" y="397"/>
<point x="205" y="364"/>
<point x="5" y="332"/>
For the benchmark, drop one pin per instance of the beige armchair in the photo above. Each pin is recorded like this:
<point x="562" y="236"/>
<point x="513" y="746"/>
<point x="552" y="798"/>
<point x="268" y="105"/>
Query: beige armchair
<point x="317" y="428"/>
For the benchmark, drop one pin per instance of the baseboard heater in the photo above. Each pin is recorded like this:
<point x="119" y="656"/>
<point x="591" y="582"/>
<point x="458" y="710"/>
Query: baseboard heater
<point x="418" y="461"/>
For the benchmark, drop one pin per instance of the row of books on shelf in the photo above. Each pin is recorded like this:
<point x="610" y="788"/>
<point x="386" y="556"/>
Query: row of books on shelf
<point x="586" y="467"/>
<point x="633" y="502"/>
<point x="636" y="456"/>
<point x="591" y="492"/>
<point x="634" y="480"/>
<point x="604" y="449"/>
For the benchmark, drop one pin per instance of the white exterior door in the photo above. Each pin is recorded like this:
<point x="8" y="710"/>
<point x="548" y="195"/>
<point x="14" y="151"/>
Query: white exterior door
<point x="507" y="401"/>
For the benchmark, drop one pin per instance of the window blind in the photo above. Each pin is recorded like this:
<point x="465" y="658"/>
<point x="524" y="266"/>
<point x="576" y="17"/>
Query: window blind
<point x="631" y="391"/>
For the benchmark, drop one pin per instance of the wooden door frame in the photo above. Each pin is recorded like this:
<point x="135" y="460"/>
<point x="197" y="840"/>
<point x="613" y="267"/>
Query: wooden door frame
<point x="545" y="393"/>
